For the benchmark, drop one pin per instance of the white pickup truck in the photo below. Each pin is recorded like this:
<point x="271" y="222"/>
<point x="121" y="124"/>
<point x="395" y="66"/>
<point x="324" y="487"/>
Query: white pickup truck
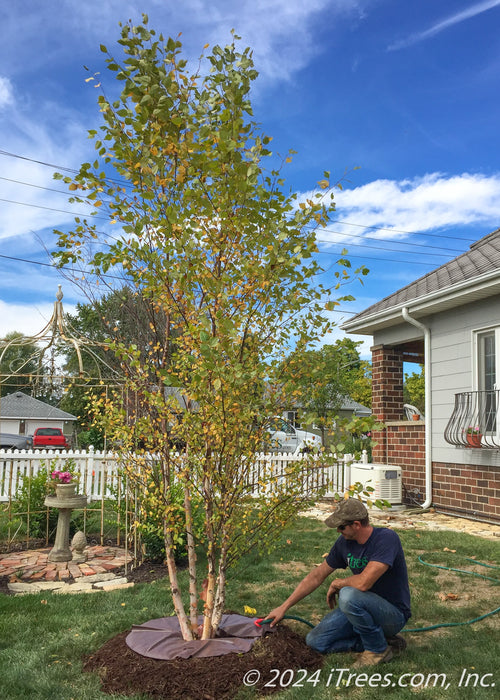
<point x="283" y="437"/>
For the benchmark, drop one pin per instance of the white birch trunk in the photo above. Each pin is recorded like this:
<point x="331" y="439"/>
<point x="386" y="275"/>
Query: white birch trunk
<point x="184" y="625"/>
<point x="193" y="594"/>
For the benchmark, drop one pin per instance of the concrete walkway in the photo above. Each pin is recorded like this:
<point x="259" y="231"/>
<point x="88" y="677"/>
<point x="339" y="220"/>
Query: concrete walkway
<point x="413" y="519"/>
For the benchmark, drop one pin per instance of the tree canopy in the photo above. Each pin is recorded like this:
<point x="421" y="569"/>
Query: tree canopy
<point x="414" y="389"/>
<point x="21" y="366"/>
<point x="203" y="229"/>
<point x="321" y="380"/>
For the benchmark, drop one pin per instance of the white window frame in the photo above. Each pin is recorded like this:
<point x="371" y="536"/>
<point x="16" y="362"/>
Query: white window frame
<point x="476" y="363"/>
<point x="477" y="379"/>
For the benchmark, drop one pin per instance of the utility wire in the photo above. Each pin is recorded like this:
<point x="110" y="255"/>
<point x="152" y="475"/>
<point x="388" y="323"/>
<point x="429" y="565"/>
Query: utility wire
<point x="106" y="275"/>
<point x="57" y="167"/>
<point x="323" y="252"/>
<point x="53" y="267"/>
<point x="60" y="211"/>
<point x="347" y="223"/>
<point x="31" y="184"/>
<point x="391" y="250"/>
<point x="352" y="245"/>
<point x="319" y="240"/>
<point x="395" y="230"/>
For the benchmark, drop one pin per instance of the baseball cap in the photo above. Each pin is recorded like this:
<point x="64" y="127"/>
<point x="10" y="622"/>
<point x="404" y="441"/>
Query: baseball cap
<point x="347" y="511"/>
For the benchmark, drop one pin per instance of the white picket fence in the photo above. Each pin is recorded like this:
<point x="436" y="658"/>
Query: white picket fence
<point x="99" y="471"/>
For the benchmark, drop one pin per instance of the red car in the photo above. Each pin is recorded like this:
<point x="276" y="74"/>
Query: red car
<point x="51" y="438"/>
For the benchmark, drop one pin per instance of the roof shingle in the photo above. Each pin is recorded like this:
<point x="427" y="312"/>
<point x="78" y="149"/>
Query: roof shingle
<point x="19" y="405"/>
<point x="482" y="257"/>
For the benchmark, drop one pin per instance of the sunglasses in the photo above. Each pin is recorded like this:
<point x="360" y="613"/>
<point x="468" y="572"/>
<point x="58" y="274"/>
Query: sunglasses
<point x="344" y="525"/>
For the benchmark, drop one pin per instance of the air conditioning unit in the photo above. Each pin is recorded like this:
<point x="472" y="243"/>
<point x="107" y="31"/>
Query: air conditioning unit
<point x="385" y="479"/>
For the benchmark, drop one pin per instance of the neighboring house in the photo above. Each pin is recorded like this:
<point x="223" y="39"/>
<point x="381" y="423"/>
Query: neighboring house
<point x="21" y="414"/>
<point x="348" y="409"/>
<point x="448" y="320"/>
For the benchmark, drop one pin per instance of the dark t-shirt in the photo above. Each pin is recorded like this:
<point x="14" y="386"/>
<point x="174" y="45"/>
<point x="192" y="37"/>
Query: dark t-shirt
<point x="383" y="546"/>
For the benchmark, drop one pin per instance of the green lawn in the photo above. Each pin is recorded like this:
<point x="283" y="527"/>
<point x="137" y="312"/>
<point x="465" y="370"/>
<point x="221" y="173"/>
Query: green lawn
<point x="43" y="637"/>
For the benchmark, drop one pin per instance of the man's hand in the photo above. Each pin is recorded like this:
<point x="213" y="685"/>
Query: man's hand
<point x="331" y="596"/>
<point x="276" y="615"/>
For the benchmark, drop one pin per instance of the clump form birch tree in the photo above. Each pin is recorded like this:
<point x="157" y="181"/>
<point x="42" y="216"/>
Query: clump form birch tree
<point x="206" y="233"/>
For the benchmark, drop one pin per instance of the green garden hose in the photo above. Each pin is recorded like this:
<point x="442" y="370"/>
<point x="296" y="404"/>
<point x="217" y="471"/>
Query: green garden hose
<point x="460" y="571"/>
<point x="431" y="627"/>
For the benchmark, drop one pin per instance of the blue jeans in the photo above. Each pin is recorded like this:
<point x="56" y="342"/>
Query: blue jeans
<point x="362" y="621"/>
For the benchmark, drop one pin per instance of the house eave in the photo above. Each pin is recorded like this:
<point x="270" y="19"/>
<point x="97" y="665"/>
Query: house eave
<point x="441" y="300"/>
<point x="69" y="417"/>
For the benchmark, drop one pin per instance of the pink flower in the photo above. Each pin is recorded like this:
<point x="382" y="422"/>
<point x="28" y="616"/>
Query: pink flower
<point x="62" y="477"/>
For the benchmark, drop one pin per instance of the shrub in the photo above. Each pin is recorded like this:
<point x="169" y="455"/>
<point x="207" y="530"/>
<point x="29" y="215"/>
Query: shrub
<point x="29" y="500"/>
<point x="149" y="518"/>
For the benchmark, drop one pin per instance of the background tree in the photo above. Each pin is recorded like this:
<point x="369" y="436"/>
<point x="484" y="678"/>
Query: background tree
<point x="19" y="364"/>
<point x="321" y="380"/>
<point x="126" y="316"/>
<point x="207" y="235"/>
<point x="414" y="389"/>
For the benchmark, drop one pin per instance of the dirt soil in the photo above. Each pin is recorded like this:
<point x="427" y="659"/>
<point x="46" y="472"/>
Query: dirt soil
<point x="214" y="678"/>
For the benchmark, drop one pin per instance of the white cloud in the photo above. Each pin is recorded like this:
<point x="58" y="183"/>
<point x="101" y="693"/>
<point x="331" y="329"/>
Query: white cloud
<point x="6" y="92"/>
<point x="440" y="26"/>
<point x="42" y="124"/>
<point x="421" y="204"/>
<point x="279" y="31"/>
<point x="51" y="134"/>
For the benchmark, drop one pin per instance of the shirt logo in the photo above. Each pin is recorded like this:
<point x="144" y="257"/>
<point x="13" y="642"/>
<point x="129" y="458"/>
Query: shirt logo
<point x="356" y="563"/>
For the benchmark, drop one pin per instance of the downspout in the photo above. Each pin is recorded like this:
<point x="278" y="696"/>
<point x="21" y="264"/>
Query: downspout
<point x="428" y="404"/>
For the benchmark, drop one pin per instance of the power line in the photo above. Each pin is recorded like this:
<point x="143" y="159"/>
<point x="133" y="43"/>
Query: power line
<point x="108" y="276"/>
<point x="74" y="171"/>
<point x="38" y="187"/>
<point x="391" y="250"/>
<point x="381" y="240"/>
<point x="60" y="211"/>
<point x="54" y="267"/>
<point x="347" y="223"/>
<point x="39" y="162"/>
<point x="353" y="245"/>
<point x="395" y="230"/>
<point x="381" y="259"/>
<point x="104" y="275"/>
<point x="327" y="230"/>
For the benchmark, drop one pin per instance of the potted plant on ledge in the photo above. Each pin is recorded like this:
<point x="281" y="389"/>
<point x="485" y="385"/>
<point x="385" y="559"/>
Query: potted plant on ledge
<point x="474" y="436"/>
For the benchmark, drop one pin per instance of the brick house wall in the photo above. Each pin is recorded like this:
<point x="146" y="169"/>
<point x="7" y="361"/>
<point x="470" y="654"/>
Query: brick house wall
<point x="406" y="448"/>
<point x="457" y="488"/>
<point x="467" y="489"/>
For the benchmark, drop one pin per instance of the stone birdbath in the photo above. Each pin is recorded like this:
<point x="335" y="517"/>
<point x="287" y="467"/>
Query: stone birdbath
<point x="65" y="499"/>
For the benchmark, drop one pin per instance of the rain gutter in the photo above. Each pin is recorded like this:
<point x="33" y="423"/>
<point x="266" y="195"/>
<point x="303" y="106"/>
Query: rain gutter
<point x="428" y="404"/>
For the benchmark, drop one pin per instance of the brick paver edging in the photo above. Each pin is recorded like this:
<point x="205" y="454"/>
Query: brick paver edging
<point x="33" y="565"/>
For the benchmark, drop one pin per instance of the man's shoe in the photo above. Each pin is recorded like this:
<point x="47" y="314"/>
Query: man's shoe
<point x="397" y="643"/>
<point x="371" y="658"/>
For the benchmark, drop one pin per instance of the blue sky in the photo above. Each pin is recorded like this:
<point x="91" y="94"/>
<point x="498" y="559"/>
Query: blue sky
<point x="407" y="93"/>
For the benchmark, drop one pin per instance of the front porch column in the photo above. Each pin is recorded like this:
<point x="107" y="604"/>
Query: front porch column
<point x="387" y="392"/>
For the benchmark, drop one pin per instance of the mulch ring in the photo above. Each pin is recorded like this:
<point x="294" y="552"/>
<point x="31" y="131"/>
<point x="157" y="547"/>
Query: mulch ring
<point x="125" y="672"/>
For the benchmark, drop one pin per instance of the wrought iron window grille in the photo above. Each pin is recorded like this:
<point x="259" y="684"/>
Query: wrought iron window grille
<point x="475" y="421"/>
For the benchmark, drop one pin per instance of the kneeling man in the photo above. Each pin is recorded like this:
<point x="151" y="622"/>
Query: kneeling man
<point x="373" y="603"/>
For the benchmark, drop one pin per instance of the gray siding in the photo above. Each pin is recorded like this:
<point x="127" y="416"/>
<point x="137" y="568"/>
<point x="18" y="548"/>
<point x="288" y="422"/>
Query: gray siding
<point x="452" y="370"/>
